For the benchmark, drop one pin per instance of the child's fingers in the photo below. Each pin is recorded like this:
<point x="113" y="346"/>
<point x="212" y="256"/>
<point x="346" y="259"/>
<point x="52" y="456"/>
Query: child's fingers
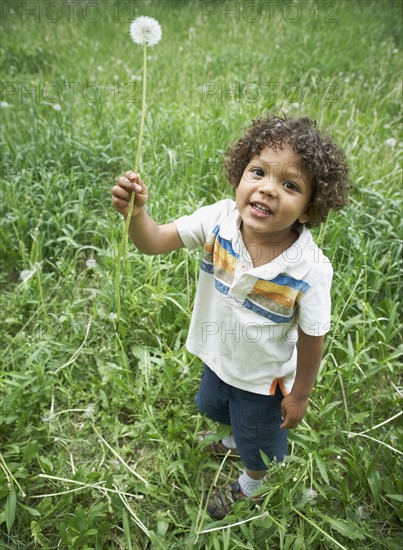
<point x="120" y="192"/>
<point x="135" y="178"/>
<point x="131" y="175"/>
<point x="119" y="204"/>
<point x="130" y="185"/>
<point x="284" y="424"/>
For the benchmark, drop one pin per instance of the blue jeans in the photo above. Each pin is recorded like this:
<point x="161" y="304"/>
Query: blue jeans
<point x="254" y="418"/>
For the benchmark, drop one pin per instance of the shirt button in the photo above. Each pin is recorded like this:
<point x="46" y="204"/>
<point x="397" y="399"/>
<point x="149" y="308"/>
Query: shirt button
<point x="243" y="266"/>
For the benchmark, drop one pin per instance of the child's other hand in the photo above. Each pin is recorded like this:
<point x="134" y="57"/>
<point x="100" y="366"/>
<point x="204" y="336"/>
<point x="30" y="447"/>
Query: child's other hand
<point x="122" y="191"/>
<point x="292" y="411"/>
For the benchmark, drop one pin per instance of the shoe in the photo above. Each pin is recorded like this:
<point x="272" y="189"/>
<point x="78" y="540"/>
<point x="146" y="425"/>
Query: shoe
<point x="222" y="499"/>
<point x="216" y="448"/>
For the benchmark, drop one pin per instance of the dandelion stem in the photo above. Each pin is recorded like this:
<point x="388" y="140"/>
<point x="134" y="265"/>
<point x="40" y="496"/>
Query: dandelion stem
<point x="362" y="434"/>
<point x="82" y="485"/>
<point x="78" y="351"/>
<point x="119" y="457"/>
<point x="133" y="515"/>
<point x="382" y="423"/>
<point x="9" y="475"/>
<point x="202" y="511"/>
<point x="316" y="526"/>
<point x="131" y="203"/>
<point x="263" y="515"/>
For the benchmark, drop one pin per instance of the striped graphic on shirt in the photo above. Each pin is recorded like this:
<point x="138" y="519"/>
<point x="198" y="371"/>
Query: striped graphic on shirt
<point x="276" y="299"/>
<point x="273" y="299"/>
<point x="219" y="258"/>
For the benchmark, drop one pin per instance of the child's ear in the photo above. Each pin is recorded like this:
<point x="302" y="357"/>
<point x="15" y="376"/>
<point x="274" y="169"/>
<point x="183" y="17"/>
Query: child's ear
<point x="305" y="217"/>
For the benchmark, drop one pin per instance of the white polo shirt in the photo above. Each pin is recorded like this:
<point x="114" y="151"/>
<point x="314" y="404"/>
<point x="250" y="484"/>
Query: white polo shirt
<point x="244" y="322"/>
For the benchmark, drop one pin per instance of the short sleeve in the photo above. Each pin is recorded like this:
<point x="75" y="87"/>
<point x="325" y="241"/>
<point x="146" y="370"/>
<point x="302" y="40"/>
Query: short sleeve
<point x="314" y="315"/>
<point x="193" y="229"/>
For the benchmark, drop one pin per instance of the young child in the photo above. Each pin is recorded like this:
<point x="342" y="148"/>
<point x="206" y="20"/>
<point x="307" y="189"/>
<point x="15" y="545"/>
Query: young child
<point x="262" y="305"/>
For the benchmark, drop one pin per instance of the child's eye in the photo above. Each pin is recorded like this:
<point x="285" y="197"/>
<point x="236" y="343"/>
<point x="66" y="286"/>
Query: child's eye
<point x="258" y="172"/>
<point x="291" y="186"/>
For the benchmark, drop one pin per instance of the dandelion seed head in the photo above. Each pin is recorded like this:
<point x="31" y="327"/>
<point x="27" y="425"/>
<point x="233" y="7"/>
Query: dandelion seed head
<point x="4" y="104"/>
<point x="89" y="411"/>
<point x="310" y="495"/>
<point x="391" y="142"/>
<point x="25" y="274"/>
<point x="145" y="31"/>
<point x="10" y="217"/>
<point x="91" y="263"/>
<point x="57" y="106"/>
<point x="363" y="512"/>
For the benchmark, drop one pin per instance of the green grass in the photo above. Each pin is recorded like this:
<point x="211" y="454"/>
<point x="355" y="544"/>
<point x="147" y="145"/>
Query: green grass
<point x="84" y="413"/>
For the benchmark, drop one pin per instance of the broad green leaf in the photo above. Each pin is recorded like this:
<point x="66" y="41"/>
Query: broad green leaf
<point x="375" y="484"/>
<point x="45" y="464"/>
<point x="321" y="467"/>
<point x="162" y="527"/>
<point x="126" y="529"/>
<point x="31" y="511"/>
<point x="346" y="528"/>
<point x="399" y="498"/>
<point x="11" y="505"/>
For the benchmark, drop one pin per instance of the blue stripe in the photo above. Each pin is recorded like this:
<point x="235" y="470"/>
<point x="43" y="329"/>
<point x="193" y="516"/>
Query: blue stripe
<point x="221" y="287"/>
<point x="205" y="266"/>
<point x="216" y="230"/>
<point x="265" y="313"/>
<point x="286" y="280"/>
<point x="227" y="246"/>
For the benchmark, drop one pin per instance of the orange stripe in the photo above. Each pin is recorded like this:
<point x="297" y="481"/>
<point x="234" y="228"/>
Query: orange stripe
<point x="268" y="287"/>
<point x="280" y="299"/>
<point x="209" y="247"/>
<point x="280" y="382"/>
<point x="223" y="259"/>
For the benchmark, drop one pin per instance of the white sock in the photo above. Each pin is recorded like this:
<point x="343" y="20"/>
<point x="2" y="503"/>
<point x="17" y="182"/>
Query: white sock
<point x="229" y="442"/>
<point x="249" y="485"/>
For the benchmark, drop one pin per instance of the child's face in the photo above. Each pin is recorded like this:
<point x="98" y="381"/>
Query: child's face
<point x="274" y="192"/>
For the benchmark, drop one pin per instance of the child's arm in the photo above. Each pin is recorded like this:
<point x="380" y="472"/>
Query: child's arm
<point x="148" y="236"/>
<point x="309" y="356"/>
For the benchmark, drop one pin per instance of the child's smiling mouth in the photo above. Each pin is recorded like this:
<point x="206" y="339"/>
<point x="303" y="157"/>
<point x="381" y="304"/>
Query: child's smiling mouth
<point x="260" y="209"/>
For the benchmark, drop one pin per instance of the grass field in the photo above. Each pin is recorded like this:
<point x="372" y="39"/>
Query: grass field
<point x="97" y="432"/>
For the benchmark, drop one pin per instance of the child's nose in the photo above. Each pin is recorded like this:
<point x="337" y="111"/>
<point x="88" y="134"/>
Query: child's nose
<point x="267" y="186"/>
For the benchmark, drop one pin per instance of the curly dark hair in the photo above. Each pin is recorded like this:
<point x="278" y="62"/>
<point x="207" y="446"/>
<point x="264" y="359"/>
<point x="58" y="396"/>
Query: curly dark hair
<point x="319" y="154"/>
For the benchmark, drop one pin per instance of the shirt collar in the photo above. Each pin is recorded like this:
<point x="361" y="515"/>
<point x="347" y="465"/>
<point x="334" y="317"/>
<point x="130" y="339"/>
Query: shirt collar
<point x="295" y="261"/>
<point x="230" y="228"/>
